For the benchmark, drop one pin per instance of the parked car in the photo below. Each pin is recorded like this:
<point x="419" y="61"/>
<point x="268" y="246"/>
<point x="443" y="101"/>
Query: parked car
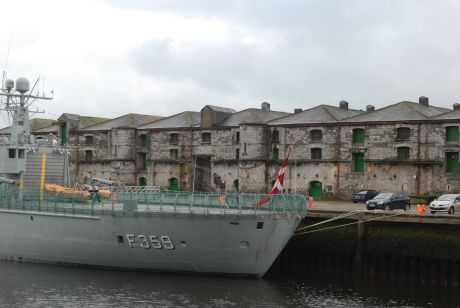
<point x="363" y="195"/>
<point x="448" y="203"/>
<point x="389" y="201"/>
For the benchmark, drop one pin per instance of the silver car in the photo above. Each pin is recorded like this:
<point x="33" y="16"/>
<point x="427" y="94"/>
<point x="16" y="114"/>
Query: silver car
<point x="448" y="203"/>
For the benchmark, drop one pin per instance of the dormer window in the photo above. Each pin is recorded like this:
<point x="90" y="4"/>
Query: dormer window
<point x="316" y="135"/>
<point x="206" y="138"/>
<point x="402" y="133"/>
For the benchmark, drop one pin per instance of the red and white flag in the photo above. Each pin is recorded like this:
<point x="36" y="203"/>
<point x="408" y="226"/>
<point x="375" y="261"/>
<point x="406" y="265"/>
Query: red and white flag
<point x="279" y="183"/>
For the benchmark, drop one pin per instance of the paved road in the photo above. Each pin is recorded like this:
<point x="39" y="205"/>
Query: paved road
<point x="350" y="206"/>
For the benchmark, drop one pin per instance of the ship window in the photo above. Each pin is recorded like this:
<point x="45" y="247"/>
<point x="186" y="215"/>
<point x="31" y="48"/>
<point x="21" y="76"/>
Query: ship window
<point x="260" y="225"/>
<point x="120" y="239"/>
<point x="11" y="153"/>
<point x="21" y="153"/>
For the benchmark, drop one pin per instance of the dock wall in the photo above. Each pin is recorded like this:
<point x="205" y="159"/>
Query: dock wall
<point x="415" y="249"/>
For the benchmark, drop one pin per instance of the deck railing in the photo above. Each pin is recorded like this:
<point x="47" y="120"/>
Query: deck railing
<point x="138" y="202"/>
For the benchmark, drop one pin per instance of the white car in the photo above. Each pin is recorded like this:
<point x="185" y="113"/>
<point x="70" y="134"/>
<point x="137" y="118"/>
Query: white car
<point x="448" y="203"/>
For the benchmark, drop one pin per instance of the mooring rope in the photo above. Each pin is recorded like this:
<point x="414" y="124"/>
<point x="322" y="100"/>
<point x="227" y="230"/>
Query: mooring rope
<point x="344" y="225"/>
<point x="329" y="220"/>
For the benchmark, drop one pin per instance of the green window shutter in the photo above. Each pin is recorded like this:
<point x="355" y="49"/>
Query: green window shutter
<point x="452" y="133"/>
<point x="451" y="161"/>
<point x="358" y="159"/>
<point x="358" y="136"/>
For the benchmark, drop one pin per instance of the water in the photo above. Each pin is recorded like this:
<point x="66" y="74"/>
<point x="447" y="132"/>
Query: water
<point x="29" y="285"/>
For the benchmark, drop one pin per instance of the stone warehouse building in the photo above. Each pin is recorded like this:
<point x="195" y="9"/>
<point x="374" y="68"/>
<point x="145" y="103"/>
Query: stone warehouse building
<point x="408" y="147"/>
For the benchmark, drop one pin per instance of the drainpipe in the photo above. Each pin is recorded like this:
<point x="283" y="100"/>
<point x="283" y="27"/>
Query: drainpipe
<point x="337" y="194"/>
<point x="418" y="160"/>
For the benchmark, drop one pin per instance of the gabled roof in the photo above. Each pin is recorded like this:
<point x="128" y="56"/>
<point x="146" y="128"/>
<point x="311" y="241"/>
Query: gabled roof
<point x="252" y="115"/>
<point x="221" y="109"/>
<point x="402" y="111"/>
<point x="180" y="120"/>
<point x="130" y="120"/>
<point x="83" y="121"/>
<point x="319" y="114"/>
<point x="451" y="115"/>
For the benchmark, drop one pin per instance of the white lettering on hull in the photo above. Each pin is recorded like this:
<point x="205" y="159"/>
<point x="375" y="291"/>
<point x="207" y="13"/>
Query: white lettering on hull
<point x="150" y="241"/>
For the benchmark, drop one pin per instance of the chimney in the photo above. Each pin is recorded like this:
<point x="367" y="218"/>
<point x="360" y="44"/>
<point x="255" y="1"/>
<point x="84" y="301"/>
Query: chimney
<point x="423" y="101"/>
<point x="456" y="106"/>
<point x="265" y="106"/>
<point x="370" y="108"/>
<point x="343" y="105"/>
<point x="297" y="110"/>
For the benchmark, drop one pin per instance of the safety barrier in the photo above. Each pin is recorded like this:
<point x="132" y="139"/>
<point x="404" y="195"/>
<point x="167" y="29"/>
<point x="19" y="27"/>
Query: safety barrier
<point x="147" y="202"/>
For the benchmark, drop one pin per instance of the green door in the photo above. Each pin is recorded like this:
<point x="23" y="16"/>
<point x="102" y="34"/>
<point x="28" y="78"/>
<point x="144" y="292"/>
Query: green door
<point x="316" y="190"/>
<point x="358" y="136"/>
<point x="173" y="184"/>
<point x="358" y="159"/>
<point x="451" y="161"/>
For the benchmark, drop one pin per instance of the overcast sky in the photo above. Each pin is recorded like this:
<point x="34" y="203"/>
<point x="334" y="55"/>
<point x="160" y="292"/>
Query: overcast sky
<point x="161" y="57"/>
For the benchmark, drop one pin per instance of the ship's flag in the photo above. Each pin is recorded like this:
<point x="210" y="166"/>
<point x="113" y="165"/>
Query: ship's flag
<point x="278" y="186"/>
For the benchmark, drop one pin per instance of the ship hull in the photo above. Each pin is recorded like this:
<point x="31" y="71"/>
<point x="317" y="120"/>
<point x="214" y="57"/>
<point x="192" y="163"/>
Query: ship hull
<point x="218" y="244"/>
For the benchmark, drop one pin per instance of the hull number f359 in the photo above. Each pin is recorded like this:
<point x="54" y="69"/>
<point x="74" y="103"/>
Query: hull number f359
<point x="149" y="241"/>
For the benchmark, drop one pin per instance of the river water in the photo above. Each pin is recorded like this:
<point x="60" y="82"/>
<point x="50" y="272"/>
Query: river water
<point x="30" y="285"/>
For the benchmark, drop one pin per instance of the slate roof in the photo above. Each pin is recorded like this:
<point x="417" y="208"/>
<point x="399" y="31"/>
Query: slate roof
<point x="83" y="121"/>
<point x="221" y="109"/>
<point x="130" y="120"/>
<point x="319" y="114"/>
<point x="180" y="120"/>
<point x="451" y="115"/>
<point x="252" y="115"/>
<point x="402" y="111"/>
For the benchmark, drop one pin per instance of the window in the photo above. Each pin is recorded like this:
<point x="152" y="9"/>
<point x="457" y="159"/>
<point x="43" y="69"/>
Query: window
<point x="174" y="154"/>
<point x="452" y="134"/>
<point x="403" y="153"/>
<point x="206" y="138"/>
<point x="358" y="162"/>
<point x="88" y="140"/>
<point x="244" y="150"/>
<point x="11" y="153"/>
<point x="143" y="161"/>
<point x="237" y="154"/>
<point x="402" y="133"/>
<point x="276" y="154"/>
<point x="275" y="136"/>
<point x="21" y="153"/>
<point x="316" y="135"/>
<point x="143" y="140"/>
<point x="451" y="161"/>
<point x="237" y="137"/>
<point x="358" y="136"/>
<point x="174" y="139"/>
<point x="88" y="155"/>
<point x="316" y="153"/>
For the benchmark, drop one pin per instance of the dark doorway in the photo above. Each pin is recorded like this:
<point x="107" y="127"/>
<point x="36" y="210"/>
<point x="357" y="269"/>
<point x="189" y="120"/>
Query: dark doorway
<point x="202" y="173"/>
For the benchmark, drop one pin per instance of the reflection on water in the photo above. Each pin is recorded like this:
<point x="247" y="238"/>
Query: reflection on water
<point x="28" y="285"/>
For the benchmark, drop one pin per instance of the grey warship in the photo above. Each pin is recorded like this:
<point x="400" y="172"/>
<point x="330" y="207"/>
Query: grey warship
<point x="133" y="227"/>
